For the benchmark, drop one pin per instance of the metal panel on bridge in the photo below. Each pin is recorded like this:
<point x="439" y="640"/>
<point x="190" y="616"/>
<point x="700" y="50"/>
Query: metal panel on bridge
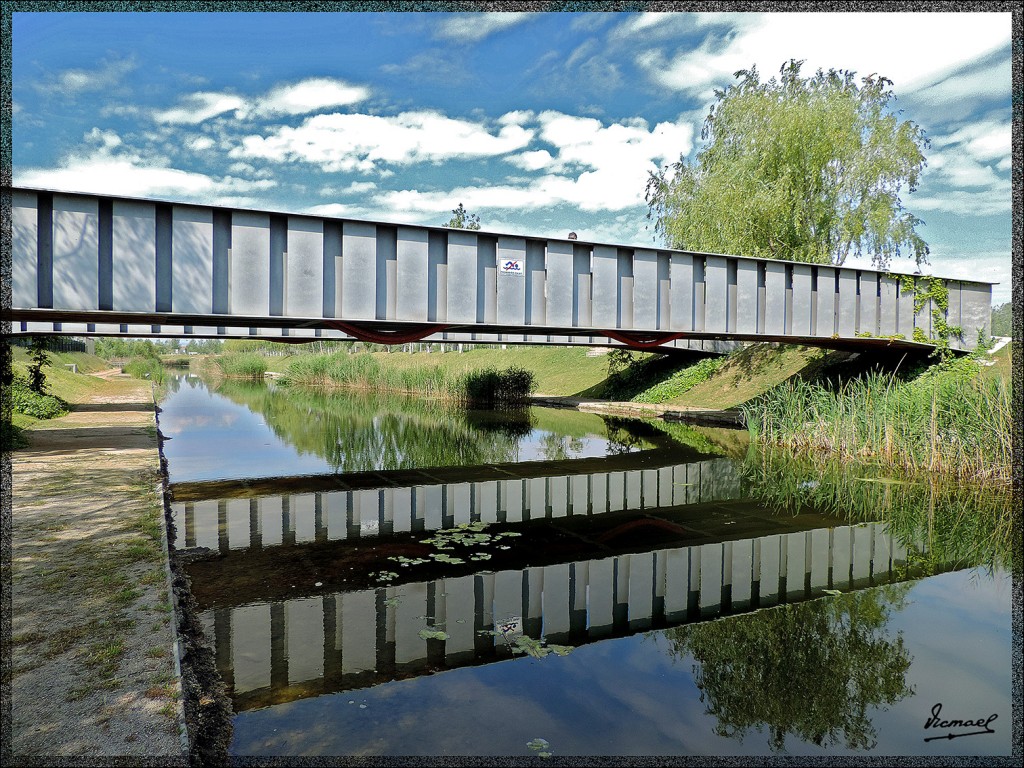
<point x="101" y="264"/>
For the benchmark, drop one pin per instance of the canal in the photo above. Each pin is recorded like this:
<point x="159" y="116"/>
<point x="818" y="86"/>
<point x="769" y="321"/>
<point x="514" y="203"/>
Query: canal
<point x="393" y="576"/>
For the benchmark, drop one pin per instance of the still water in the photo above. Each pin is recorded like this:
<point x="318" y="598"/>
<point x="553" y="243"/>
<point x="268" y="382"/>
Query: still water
<point x="400" y="577"/>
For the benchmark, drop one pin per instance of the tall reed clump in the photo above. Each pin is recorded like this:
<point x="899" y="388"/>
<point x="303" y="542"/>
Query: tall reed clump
<point x="950" y="420"/>
<point x="145" y="368"/>
<point x="243" y="365"/>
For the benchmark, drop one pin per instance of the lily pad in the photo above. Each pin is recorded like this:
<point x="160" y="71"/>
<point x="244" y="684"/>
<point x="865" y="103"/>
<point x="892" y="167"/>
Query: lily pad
<point x="433" y="634"/>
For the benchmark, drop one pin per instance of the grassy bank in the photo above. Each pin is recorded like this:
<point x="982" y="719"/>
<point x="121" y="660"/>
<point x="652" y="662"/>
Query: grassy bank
<point x="952" y="419"/>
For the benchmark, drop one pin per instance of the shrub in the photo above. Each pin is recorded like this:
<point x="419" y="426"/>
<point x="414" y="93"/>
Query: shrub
<point x="24" y="400"/>
<point x="245" y="365"/>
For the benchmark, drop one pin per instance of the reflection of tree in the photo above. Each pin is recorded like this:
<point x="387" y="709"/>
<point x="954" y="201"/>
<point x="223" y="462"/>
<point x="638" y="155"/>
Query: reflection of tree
<point x="359" y="433"/>
<point x="560" y="447"/>
<point x="811" y="670"/>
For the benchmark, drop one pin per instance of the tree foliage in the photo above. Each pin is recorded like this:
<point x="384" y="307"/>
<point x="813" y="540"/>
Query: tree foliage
<point x="803" y="169"/>
<point x="38" y="354"/>
<point x="462" y="219"/>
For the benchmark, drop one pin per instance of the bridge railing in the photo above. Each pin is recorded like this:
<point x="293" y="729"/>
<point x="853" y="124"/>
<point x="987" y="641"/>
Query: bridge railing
<point x="114" y="261"/>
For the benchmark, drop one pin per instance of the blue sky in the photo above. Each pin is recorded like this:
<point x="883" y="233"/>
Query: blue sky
<point x="540" y="123"/>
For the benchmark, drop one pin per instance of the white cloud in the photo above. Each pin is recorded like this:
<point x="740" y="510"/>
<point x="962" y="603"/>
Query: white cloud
<point x="72" y="82"/>
<point x="532" y="161"/>
<point x="112" y="170"/>
<point x="900" y="46"/>
<point x="303" y="97"/>
<point x="991" y="82"/>
<point x="595" y="167"/>
<point x="467" y="27"/>
<point x="198" y="107"/>
<point x="995" y="200"/>
<point x="199" y="143"/>
<point x="984" y="141"/>
<point x="355" y="188"/>
<point x="359" y="142"/>
<point x="311" y="95"/>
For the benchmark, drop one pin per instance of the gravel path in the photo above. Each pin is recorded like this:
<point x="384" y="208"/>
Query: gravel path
<point x="92" y="644"/>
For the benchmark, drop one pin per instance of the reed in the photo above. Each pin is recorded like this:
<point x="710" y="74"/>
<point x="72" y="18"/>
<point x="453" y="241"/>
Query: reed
<point x="242" y="365"/>
<point x="951" y="420"/>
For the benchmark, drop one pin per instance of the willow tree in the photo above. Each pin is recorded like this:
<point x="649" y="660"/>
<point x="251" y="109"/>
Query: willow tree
<point x="808" y="169"/>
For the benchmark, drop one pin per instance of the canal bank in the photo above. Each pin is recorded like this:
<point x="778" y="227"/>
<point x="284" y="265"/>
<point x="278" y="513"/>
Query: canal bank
<point x="94" y="645"/>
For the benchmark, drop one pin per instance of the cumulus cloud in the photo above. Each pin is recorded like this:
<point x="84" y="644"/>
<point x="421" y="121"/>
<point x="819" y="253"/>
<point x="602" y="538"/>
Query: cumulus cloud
<point x="360" y="142"/>
<point x="309" y="95"/>
<point x="594" y="166"/>
<point x="107" y="167"/>
<point x="469" y="27"/>
<point x="901" y="46"/>
<point x="198" y="107"/>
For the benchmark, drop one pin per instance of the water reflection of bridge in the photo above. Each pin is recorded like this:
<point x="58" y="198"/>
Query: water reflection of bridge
<point x="637" y="548"/>
<point x="426" y="500"/>
<point x="283" y="649"/>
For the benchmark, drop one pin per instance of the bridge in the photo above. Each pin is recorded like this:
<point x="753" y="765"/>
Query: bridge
<point x="85" y="264"/>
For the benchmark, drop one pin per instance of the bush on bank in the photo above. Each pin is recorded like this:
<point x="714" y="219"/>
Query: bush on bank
<point x="243" y="365"/>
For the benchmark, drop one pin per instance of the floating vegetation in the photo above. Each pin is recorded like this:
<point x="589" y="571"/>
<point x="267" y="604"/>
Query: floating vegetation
<point x="385" y="575"/>
<point x="405" y="562"/>
<point x="524" y="644"/>
<point x="433" y="634"/>
<point x="540" y="746"/>
<point x="393" y="602"/>
<point x="443" y="558"/>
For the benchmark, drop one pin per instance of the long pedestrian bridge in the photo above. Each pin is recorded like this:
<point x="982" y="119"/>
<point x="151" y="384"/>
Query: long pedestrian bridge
<point x="85" y="264"/>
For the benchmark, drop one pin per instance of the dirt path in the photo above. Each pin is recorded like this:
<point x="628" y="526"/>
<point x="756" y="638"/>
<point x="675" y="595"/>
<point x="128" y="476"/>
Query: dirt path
<point x="94" y="672"/>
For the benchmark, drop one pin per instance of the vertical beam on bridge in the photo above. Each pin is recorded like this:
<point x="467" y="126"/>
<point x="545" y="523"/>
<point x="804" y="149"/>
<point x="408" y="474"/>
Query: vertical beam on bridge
<point x="487" y="274"/>
<point x="953" y="317"/>
<point x="904" y="310"/>
<point x="582" y="314"/>
<point x="387" y="272"/>
<point x="626" y="308"/>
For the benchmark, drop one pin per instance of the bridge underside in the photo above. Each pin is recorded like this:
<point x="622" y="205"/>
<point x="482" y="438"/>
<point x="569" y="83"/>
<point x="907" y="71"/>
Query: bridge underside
<point x="299" y="331"/>
<point x="97" y="265"/>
